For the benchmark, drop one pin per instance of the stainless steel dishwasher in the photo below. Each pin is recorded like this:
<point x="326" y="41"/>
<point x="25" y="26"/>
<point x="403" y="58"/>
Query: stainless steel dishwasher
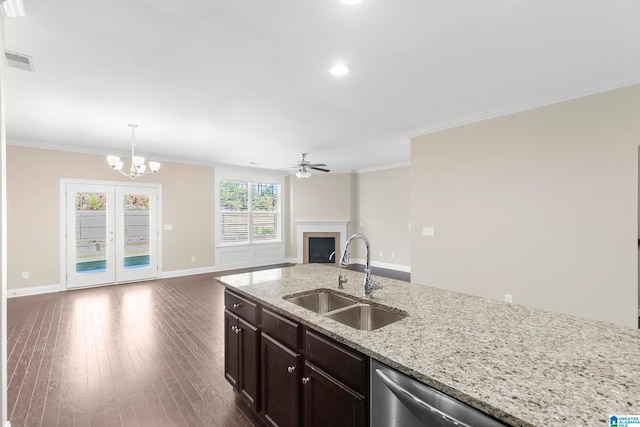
<point x="398" y="400"/>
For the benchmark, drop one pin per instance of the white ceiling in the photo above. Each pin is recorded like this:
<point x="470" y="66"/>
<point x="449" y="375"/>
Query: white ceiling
<point x="240" y="81"/>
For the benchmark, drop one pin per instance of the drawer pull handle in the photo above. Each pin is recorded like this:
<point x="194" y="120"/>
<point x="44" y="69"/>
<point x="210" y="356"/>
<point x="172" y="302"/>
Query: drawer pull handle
<point x="237" y="331"/>
<point x="291" y="369"/>
<point x="233" y="328"/>
<point x="305" y="380"/>
<point x="236" y="305"/>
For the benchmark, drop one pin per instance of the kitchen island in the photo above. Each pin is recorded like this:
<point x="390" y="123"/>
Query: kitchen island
<point x="523" y="366"/>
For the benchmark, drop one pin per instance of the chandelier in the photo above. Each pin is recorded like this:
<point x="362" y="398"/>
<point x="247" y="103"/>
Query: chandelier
<point x="138" y="168"/>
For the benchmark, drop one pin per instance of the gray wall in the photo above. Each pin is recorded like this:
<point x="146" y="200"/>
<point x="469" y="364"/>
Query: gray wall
<point x="377" y="199"/>
<point x="541" y="204"/>
<point x="382" y="214"/>
<point x="322" y="197"/>
<point x="34" y="211"/>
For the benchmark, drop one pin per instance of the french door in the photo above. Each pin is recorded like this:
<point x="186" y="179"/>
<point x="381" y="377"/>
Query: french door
<point x="111" y="233"/>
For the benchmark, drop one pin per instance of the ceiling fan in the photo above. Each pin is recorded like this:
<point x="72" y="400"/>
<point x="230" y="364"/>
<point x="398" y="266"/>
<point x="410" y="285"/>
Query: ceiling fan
<point x="304" y="167"/>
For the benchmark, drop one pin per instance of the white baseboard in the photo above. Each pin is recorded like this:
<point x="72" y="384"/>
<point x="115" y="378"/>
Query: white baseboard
<point x="35" y="290"/>
<point x="188" y="272"/>
<point x="8" y="424"/>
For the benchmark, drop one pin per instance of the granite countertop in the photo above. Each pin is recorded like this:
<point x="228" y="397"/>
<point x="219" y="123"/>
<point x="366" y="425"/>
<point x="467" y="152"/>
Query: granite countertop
<point x="524" y="366"/>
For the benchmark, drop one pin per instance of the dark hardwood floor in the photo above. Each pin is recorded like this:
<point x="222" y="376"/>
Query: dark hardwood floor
<point x="139" y="354"/>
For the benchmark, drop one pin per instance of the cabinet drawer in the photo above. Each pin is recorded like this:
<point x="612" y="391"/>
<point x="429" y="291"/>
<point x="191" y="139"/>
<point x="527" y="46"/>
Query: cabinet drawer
<point x="345" y="365"/>
<point x="282" y="329"/>
<point x="242" y="307"/>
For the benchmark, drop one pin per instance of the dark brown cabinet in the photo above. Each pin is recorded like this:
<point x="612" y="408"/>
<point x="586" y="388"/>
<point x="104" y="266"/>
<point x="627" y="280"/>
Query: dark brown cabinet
<point x="328" y="402"/>
<point x="280" y="384"/>
<point x="289" y="374"/>
<point x="242" y="351"/>
<point x="335" y="383"/>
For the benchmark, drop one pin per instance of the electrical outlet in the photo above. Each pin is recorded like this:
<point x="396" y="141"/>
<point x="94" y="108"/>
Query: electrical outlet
<point x="428" y="231"/>
<point x="25" y="274"/>
<point x="193" y="258"/>
<point x="508" y="298"/>
<point x="393" y="255"/>
<point x="381" y="253"/>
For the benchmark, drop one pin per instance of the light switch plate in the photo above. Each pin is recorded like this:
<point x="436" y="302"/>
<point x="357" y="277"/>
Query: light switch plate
<point x="428" y="231"/>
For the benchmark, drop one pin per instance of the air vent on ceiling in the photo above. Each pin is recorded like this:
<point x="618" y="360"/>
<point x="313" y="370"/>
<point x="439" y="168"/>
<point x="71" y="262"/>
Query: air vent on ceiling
<point x="17" y="60"/>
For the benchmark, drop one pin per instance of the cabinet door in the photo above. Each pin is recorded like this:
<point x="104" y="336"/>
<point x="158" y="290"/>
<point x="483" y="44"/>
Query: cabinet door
<point x="249" y="367"/>
<point x="328" y="402"/>
<point x="231" y="349"/>
<point x="280" y="384"/>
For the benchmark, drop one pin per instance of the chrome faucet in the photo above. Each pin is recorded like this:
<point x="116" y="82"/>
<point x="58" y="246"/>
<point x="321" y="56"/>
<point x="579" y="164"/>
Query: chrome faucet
<point x="341" y="280"/>
<point x="369" y="283"/>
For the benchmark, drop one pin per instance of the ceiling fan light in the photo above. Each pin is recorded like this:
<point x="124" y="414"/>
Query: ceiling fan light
<point x="303" y="173"/>
<point x="141" y="169"/>
<point x="118" y="166"/>
<point x="154" y="166"/>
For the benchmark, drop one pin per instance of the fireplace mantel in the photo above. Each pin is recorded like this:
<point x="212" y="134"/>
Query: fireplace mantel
<point x="319" y="227"/>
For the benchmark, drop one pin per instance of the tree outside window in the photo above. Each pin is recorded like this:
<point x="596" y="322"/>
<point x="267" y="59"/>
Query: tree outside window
<point x="249" y="211"/>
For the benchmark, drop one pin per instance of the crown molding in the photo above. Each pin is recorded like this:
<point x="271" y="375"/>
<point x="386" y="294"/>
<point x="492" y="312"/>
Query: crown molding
<point x="580" y="92"/>
<point x="383" y="167"/>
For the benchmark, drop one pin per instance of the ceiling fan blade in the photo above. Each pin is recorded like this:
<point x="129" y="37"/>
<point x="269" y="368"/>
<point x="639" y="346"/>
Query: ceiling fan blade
<point x="317" y="164"/>
<point x="319" y="169"/>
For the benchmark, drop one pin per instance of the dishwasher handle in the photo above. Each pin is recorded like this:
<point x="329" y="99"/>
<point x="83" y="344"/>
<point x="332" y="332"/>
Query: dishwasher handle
<point x="413" y="402"/>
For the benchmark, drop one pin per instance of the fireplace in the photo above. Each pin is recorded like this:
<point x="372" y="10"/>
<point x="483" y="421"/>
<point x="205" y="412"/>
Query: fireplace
<point x="312" y="229"/>
<point x="321" y="249"/>
<point x="319" y="246"/>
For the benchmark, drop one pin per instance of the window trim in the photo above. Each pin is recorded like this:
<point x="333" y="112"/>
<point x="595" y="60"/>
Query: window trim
<point x="224" y="174"/>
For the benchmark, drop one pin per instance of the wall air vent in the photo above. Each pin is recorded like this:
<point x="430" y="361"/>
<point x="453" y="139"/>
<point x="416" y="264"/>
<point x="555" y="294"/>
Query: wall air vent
<point x="17" y="60"/>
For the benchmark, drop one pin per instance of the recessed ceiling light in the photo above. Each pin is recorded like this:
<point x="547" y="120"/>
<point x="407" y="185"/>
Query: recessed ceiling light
<point x="350" y="2"/>
<point x="339" y="70"/>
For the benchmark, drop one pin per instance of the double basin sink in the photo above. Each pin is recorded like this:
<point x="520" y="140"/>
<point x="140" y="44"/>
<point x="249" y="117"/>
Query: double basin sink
<point x="347" y="310"/>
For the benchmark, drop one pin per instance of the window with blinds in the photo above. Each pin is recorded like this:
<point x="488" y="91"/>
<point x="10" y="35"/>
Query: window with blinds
<point x="249" y="211"/>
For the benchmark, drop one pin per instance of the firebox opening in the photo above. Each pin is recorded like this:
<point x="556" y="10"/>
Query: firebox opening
<point x="321" y="248"/>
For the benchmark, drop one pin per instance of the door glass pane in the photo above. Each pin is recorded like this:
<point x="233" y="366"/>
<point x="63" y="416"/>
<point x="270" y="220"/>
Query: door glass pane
<point x="136" y="231"/>
<point x="91" y="233"/>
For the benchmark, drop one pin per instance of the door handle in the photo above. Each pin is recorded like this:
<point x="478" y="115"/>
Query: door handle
<point x="413" y="402"/>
